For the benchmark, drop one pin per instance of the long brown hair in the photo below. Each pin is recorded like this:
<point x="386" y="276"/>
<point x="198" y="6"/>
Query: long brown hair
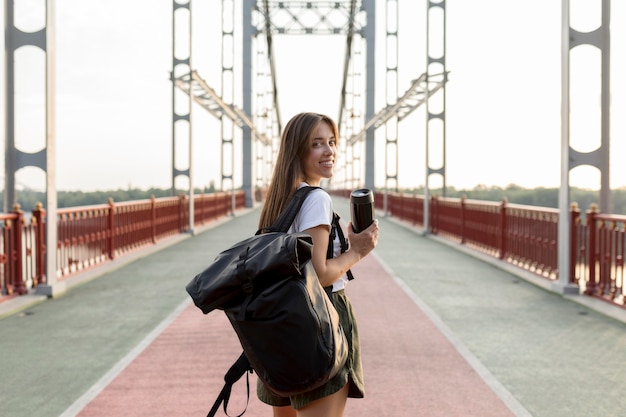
<point x="288" y="171"/>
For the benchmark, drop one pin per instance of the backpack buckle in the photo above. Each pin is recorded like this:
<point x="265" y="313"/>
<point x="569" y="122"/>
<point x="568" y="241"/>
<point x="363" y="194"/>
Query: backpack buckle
<point x="247" y="286"/>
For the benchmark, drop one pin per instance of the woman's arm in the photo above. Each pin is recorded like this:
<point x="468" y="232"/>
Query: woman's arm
<point x="329" y="270"/>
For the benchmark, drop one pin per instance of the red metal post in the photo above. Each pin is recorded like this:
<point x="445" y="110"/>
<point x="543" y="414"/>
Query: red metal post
<point x="39" y="215"/>
<point x="154" y="218"/>
<point x="9" y="268"/>
<point x="574" y="239"/>
<point x="463" y="198"/>
<point x="111" y="230"/>
<point x="592" y="250"/>
<point x="502" y="244"/>
<point x="183" y="208"/>
<point x="433" y="214"/>
<point x="18" y="253"/>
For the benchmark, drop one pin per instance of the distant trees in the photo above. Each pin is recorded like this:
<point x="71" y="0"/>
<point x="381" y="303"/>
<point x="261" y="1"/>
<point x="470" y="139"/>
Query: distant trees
<point x="27" y="199"/>
<point x="540" y="197"/>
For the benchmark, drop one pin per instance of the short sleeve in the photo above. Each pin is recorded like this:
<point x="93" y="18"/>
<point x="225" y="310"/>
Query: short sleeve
<point x="316" y="210"/>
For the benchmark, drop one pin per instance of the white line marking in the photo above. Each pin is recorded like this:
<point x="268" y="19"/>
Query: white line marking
<point x="504" y="394"/>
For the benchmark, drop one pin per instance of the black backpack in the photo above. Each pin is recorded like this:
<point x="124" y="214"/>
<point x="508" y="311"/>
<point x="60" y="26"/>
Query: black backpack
<point x="285" y="322"/>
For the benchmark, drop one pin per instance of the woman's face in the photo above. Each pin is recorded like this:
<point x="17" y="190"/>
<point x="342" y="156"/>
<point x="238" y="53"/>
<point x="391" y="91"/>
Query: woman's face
<point x="319" y="161"/>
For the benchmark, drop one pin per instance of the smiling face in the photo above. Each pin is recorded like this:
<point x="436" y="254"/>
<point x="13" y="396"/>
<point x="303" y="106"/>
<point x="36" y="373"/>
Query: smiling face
<point x="320" y="159"/>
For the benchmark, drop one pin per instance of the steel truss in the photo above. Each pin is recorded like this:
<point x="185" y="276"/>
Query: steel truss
<point x="417" y="94"/>
<point x="309" y="18"/>
<point x="209" y="100"/>
<point x="315" y="18"/>
<point x="349" y="18"/>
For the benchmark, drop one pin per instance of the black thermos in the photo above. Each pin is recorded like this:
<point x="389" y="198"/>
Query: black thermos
<point x="361" y="209"/>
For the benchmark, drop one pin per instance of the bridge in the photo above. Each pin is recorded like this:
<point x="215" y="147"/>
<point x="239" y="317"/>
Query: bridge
<point x="481" y="327"/>
<point x="445" y="332"/>
<point x="249" y="115"/>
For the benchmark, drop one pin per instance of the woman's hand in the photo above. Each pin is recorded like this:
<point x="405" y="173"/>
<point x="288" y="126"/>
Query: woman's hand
<point x="365" y="241"/>
<point x="328" y="270"/>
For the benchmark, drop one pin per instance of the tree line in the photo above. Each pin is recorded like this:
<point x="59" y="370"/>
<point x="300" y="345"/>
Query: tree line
<point x="540" y="197"/>
<point x="28" y="199"/>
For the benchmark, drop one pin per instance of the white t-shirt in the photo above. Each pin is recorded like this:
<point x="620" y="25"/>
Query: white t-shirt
<point x="317" y="210"/>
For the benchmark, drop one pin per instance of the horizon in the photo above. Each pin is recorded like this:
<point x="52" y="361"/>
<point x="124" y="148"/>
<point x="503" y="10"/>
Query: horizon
<point x="401" y="189"/>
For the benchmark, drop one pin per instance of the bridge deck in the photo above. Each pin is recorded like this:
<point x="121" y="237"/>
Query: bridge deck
<point x="443" y="334"/>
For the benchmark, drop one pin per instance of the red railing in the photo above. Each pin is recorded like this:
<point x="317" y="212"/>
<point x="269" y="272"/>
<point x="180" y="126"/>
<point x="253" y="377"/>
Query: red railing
<point x="531" y="238"/>
<point x="599" y="258"/>
<point x="11" y="254"/>
<point x="527" y="236"/>
<point x="90" y="235"/>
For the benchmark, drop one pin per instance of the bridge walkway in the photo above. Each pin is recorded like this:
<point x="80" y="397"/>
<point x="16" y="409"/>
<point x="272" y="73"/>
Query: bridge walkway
<point x="444" y="333"/>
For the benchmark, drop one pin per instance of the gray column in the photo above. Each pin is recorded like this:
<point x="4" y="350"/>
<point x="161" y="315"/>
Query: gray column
<point x="571" y="158"/>
<point x="369" y="32"/>
<point x="248" y="33"/>
<point x="564" y="236"/>
<point x="9" y="105"/>
<point x="52" y="287"/>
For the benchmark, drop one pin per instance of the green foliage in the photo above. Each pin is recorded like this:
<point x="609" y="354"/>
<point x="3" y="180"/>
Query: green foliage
<point x="27" y="199"/>
<point x="540" y="197"/>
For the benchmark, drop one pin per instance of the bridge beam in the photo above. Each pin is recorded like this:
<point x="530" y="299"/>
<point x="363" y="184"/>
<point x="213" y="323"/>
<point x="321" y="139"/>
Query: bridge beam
<point x="370" y="92"/>
<point x="570" y="158"/>
<point x="46" y="158"/>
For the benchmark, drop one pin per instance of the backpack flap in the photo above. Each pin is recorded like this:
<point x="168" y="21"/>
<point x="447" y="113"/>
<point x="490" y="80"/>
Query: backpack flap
<point x="233" y="272"/>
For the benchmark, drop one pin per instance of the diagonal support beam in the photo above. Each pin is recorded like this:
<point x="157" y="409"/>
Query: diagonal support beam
<point x="196" y="87"/>
<point x="417" y="94"/>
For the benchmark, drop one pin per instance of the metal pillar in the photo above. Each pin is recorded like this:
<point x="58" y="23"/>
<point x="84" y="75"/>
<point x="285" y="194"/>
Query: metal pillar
<point x="391" y="94"/>
<point x="51" y="287"/>
<point x="351" y="116"/>
<point x="181" y="67"/>
<point x="11" y="154"/>
<point x="228" y="95"/>
<point x="436" y="75"/>
<point x="571" y="158"/>
<point x="246" y="139"/>
<point x="46" y="158"/>
<point x="355" y="119"/>
<point x="369" y="32"/>
<point x="267" y="109"/>
<point x="263" y="116"/>
<point x="599" y="158"/>
<point x="351" y="110"/>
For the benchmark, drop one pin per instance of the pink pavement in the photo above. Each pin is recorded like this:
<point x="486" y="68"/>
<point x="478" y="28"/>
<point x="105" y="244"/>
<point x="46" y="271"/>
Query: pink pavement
<point x="411" y="368"/>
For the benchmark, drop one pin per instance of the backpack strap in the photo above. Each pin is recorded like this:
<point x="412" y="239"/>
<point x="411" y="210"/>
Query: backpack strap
<point x="288" y="215"/>
<point x="290" y="212"/>
<point x="236" y="371"/>
<point x="336" y="230"/>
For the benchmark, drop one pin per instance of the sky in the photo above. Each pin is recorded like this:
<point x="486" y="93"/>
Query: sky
<point x="114" y="96"/>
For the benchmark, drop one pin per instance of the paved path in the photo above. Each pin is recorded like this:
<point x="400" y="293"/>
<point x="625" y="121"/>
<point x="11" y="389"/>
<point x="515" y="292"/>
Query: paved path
<point x="443" y="334"/>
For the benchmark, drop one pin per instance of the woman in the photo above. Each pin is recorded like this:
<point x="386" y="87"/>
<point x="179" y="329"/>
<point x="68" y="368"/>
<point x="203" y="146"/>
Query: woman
<point x="307" y="154"/>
